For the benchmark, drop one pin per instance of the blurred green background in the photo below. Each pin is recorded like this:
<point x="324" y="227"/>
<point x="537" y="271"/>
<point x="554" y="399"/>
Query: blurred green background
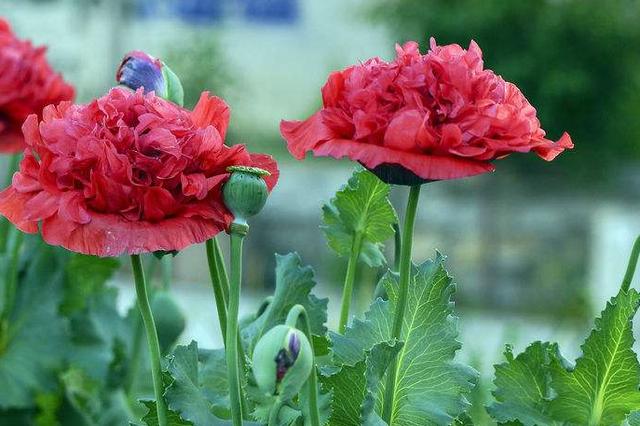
<point x="535" y="247"/>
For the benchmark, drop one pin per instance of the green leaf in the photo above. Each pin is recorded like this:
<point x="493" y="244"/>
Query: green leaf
<point x="151" y="418"/>
<point x="198" y="392"/>
<point x="602" y="389"/>
<point x="294" y="283"/>
<point x="361" y="206"/>
<point x="33" y="347"/>
<point x="84" y="276"/>
<point x="523" y="386"/>
<point x="96" y="332"/>
<point x="430" y="387"/>
<point x="324" y="404"/>
<point x="634" y="419"/>
<point x="355" y="387"/>
<point x="92" y="403"/>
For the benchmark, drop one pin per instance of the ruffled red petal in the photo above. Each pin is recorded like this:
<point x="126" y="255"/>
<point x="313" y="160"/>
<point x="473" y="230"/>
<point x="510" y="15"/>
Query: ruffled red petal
<point x="113" y="235"/>
<point x="440" y="115"/>
<point x="126" y="174"/>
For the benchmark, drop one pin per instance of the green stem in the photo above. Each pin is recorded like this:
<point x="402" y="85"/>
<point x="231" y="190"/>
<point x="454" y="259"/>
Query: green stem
<point x="347" y="292"/>
<point x="298" y="313"/>
<point x="10" y="288"/>
<point x="401" y="302"/>
<point x="220" y="284"/>
<point x="4" y="223"/>
<point x="274" y="412"/>
<point x="152" y="337"/>
<point x="631" y="266"/>
<point x="238" y="233"/>
<point x="213" y="252"/>
<point x="397" y="248"/>
<point x="380" y="291"/>
<point x="166" y="271"/>
<point x="134" y="356"/>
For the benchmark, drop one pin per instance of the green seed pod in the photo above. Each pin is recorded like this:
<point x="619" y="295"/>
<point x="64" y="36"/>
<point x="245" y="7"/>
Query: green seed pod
<point x="282" y="361"/>
<point x="170" y="321"/>
<point x="245" y="193"/>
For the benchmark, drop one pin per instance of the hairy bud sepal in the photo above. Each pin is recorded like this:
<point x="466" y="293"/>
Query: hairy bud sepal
<point x="245" y="193"/>
<point x="282" y="362"/>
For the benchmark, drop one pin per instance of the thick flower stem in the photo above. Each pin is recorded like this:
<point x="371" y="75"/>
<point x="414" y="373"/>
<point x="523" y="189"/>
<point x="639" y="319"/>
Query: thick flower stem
<point x="631" y="266"/>
<point x="347" y="292"/>
<point x="299" y="314"/>
<point x="218" y="282"/>
<point x="238" y="233"/>
<point x="401" y="302"/>
<point x="4" y="223"/>
<point x="152" y="338"/>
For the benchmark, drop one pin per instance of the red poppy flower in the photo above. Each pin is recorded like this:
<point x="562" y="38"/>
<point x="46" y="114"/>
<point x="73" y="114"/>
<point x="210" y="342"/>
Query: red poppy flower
<point x="127" y="173"/>
<point x="435" y="116"/>
<point x="27" y="85"/>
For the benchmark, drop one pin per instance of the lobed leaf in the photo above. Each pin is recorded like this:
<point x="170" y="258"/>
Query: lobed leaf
<point x="361" y="206"/>
<point x="602" y="389"/>
<point x="523" y="386"/>
<point x="430" y="387"/>
<point x="198" y="391"/>
<point x="294" y="283"/>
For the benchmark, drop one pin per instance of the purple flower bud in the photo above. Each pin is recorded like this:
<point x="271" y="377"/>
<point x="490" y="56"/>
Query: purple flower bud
<point x="283" y="362"/>
<point x="294" y="345"/>
<point x="139" y="69"/>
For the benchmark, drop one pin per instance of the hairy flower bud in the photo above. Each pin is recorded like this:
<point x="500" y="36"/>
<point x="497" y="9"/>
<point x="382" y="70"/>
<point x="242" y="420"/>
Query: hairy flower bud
<point x="282" y="361"/>
<point x="245" y="193"/>
<point x="139" y="69"/>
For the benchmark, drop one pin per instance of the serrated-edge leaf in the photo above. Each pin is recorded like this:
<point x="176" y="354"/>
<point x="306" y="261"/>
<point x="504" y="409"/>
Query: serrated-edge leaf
<point x="603" y="386"/>
<point x="523" y="386"/>
<point x="185" y="394"/>
<point x="361" y="206"/>
<point x="294" y="283"/>
<point x="430" y="386"/>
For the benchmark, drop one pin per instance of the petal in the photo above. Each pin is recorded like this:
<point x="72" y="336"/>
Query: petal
<point x="12" y="206"/>
<point x="429" y="167"/>
<point x="112" y="235"/>
<point x="211" y="110"/>
<point x="303" y="136"/>
<point x="403" y="130"/>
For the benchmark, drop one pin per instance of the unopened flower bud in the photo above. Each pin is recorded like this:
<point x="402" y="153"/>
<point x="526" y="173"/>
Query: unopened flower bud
<point x="245" y="193"/>
<point x="139" y="69"/>
<point x="282" y="361"/>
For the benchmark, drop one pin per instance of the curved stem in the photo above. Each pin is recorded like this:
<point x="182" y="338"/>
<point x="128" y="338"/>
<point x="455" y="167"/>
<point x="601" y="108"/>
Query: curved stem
<point x="631" y="266"/>
<point x="213" y="252"/>
<point x="299" y="313"/>
<point x="347" y="291"/>
<point x="232" y="341"/>
<point x="152" y="338"/>
<point x="401" y="302"/>
<point x="4" y="223"/>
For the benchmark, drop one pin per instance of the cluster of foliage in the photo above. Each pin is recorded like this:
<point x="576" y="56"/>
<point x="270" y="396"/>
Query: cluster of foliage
<point x="570" y="58"/>
<point x="78" y="368"/>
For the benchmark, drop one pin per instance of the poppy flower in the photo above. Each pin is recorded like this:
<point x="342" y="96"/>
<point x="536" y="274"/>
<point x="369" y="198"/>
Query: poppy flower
<point x="27" y="85"/>
<point x="422" y="117"/>
<point x="126" y="174"/>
